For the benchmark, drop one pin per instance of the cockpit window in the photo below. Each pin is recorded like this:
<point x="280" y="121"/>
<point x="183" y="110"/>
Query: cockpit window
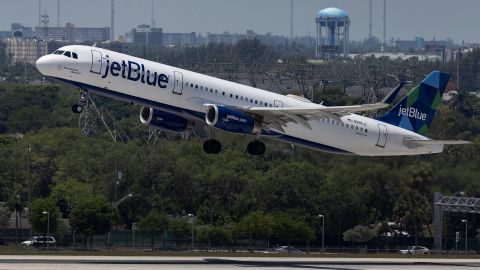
<point x="68" y="54"/>
<point x="58" y="52"/>
<point x="74" y="55"/>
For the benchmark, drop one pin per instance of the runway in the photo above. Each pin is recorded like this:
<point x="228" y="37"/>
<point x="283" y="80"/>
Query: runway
<point x="220" y="263"/>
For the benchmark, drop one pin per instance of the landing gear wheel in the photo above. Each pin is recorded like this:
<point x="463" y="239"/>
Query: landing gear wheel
<point x="256" y="148"/>
<point x="212" y="146"/>
<point x="77" y="108"/>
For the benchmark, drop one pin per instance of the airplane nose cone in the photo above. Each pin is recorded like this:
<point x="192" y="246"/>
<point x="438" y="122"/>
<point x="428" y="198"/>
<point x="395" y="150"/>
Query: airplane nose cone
<point x="42" y="65"/>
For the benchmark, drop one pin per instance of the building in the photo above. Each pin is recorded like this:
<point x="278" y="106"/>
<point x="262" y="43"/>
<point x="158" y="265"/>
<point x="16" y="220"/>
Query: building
<point x="19" y="30"/>
<point x="229" y="38"/>
<point x="144" y="34"/>
<point x="73" y="34"/>
<point x="332" y="35"/>
<point x="180" y="39"/>
<point x="21" y="50"/>
<point x="5" y="34"/>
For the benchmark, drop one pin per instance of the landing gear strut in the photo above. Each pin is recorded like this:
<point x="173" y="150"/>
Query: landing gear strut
<point x="256" y="148"/>
<point x="212" y="146"/>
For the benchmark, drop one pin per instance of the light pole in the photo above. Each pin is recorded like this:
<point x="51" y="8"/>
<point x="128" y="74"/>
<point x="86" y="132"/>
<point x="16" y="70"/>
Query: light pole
<point x="191" y="216"/>
<point x="114" y="206"/>
<point x="466" y="234"/>
<point x="323" y="232"/>
<point x="29" y="188"/>
<point x="48" y="226"/>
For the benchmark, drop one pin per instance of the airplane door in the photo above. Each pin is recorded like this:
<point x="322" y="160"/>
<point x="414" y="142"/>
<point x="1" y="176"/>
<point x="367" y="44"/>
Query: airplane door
<point x="277" y="103"/>
<point x="96" y="62"/>
<point x="382" y="136"/>
<point x="178" y="85"/>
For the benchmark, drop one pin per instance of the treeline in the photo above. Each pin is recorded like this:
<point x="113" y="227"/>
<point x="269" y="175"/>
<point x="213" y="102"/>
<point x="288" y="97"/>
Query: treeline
<point x="277" y="197"/>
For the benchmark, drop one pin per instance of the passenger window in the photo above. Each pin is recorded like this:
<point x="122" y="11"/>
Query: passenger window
<point x="201" y="88"/>
<point x="211" y="90"/>
<point x="191" y="85"/>
<point x="366" y="130"/>
<point x="75" y="55"/>
<point x="67" y="54"/>
<point x="231" y="95"/>
<point x="223" y="93"/>
<point x="216" y="92"/>
<point x="241" y="97"/>
<point x="255" y="102"/>
<point x="196" y="86"/>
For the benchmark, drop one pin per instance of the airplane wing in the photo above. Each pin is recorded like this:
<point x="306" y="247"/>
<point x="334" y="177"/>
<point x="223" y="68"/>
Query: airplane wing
<point x="419" y="143"/>
<point x="278" y="117"/>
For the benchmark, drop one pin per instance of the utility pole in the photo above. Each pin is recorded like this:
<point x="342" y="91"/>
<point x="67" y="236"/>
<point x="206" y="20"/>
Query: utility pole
<point x="370" y="25"/>
<point x="39" y="12"/>
<point x="466" y="234"/>
<point x="323" y="232"/>
<point x="112" y="21"/>
<point x="58" y="13"/>
<point x="384" y="43"/>
<point x="291" y="19"/>
<point x="459" y="55"/>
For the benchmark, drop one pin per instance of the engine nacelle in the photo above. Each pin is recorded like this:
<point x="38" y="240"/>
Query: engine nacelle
<point x="164" y="120"/>
<point x="232" y="120"/>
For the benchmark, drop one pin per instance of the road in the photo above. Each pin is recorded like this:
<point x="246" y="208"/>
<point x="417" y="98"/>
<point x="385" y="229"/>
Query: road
<point x="220" y="263"/>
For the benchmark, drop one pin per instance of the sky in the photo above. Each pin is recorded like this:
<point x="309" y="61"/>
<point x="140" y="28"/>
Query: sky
<point x="406" y="19"/>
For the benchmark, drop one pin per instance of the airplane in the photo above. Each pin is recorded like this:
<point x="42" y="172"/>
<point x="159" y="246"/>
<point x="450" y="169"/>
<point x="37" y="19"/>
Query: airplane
<point x="175" y="99"/>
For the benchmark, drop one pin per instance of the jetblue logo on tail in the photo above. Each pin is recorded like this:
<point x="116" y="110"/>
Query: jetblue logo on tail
<point x="412" y="113"/>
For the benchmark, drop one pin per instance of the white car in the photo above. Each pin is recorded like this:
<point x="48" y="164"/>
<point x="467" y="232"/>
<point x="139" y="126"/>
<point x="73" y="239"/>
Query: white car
<point x="40" y="241"/>
<point x="415" y="250"/>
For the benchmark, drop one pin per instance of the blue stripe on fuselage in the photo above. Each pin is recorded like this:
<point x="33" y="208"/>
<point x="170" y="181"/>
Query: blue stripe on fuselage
<point x="199" y="115"/>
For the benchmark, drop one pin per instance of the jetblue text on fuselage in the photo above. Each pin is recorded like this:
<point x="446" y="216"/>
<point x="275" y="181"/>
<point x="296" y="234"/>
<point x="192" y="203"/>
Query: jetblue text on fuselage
<point x="133" y="71"/>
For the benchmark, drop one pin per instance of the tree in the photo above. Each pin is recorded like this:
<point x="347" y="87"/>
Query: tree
<point x="4" y="218"/>
<point x="179" y="228"/>
<point x="413" y="210"/>
<point x="256" y="225"/>
<point x="91" y="216"/>
<point x="39" y="220"/>
<point x="153" y="223"/>
<point x="215" y="235"/>
<point x="360" y="234"/>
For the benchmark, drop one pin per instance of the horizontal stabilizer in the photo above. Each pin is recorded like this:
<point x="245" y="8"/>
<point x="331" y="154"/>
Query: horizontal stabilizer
<point x="419" y="143"/>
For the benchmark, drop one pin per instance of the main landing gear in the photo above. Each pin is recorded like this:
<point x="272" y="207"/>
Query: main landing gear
<point x="254" y="148"/>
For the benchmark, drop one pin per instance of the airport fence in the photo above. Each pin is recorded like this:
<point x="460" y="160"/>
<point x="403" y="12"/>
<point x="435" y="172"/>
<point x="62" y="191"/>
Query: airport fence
<point x="130" y="240"/>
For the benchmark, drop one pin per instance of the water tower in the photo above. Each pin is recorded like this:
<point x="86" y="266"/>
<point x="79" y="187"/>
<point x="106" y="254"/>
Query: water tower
<point x="332" y="33"/>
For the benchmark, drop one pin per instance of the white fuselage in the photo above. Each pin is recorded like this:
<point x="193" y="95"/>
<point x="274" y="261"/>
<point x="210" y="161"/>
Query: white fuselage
<point x="185" y="93"/>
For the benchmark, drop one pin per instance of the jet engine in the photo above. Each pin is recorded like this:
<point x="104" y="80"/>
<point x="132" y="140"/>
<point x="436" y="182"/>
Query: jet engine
<point x="164" y="120"/>
<point x="232" y="120"/>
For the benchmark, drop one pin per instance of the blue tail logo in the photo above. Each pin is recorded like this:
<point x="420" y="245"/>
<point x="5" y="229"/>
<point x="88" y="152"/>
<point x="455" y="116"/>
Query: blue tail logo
<point x="416" y="111"/>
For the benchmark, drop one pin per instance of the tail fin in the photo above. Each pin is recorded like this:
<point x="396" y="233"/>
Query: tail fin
<point x="416" y="111"/>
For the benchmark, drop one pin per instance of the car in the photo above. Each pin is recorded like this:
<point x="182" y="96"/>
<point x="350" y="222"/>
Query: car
<point x="40" y="241"/>
<point x="287" y="250"/>
<point x="415" y="250"/>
